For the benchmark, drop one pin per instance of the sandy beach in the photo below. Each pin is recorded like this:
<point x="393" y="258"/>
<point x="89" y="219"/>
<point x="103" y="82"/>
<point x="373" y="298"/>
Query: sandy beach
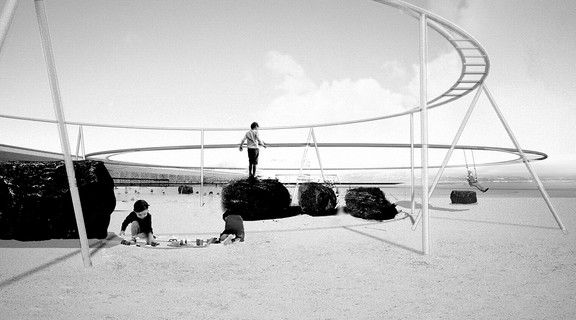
<point x="503" y="258"/>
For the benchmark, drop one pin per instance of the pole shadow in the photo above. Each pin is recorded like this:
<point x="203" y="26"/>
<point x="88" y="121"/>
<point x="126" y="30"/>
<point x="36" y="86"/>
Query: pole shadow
<point x="96" y="248"/>
<point x="384" y="240"/>
<point x="418" y="206"/>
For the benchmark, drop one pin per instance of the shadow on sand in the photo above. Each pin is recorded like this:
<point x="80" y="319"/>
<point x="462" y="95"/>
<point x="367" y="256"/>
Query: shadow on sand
<point x="418" y="206"/>
<point x="384" y="240"/>
<point x="95" y="245"/>
<point x="60" y="243"/>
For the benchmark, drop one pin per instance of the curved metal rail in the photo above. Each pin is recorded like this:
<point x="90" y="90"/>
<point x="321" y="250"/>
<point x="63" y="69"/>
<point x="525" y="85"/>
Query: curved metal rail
<point x="475" y="68"/>
<point x="107" y="155"/>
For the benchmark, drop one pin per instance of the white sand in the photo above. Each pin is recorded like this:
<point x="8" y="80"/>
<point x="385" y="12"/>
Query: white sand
<point x="504" y="258"/>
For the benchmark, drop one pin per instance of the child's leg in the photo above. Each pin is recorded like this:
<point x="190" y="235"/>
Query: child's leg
<point x="135" y="228"/>
<point x="223" y="236"/>
<point x="226" y="238"/>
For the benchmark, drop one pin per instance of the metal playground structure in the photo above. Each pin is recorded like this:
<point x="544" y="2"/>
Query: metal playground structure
<point x="472" y="79"/>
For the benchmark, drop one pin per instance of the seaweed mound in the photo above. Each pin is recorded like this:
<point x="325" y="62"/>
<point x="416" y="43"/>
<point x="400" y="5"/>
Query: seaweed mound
<point x="185" y="189"/>
<point x="256" y="199"/>
<point x="463" y="197"/>
<point x="317" y="199"/>
<point x="369" y="203"/>
<point x="35" y="200"/>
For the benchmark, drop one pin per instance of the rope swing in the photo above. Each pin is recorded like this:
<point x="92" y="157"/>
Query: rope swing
<point x="473" y="163"/>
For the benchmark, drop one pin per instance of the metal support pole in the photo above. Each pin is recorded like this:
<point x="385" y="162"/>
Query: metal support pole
<point x="317" y="154"/>
<point x="6" y="19"/>
<point x="424" y="133"/>
<point x="412" y="176"/>
<point x="450" y="151"/>
<point x="83" y="145"/>
<point x="525" y="160"/>
<point x="58" y="109"/>
<point x="79" y="143"/>
<point x="202" y="167"/>
<point x="304" y="156"/>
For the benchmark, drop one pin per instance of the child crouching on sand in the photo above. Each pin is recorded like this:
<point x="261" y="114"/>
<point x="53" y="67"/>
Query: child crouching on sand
<point x="233" y="228"/>
<point x="141" y="221"/>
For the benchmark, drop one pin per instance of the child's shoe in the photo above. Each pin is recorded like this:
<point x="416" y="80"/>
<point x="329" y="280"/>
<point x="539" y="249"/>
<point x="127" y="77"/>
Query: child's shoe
<point x="228" y="239"/>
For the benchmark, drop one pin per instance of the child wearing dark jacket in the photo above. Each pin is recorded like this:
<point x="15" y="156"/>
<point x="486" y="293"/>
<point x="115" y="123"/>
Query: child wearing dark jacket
<point x="233" y="228"/>
<point x="141" y="223"/>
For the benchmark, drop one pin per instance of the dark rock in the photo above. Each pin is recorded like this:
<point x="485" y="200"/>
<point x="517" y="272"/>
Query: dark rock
<point x="35" y="200"/>
<point x="255" y="199"/>
<point x="369" y="203"/>
<point x="185" y="190"/>
<point x="317" y="199"/>
<point x="463" y="197"/>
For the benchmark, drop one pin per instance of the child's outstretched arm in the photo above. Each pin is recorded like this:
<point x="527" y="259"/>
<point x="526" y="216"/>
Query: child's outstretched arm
<point x="242" y="142"/>
<point x="125" y="224"/>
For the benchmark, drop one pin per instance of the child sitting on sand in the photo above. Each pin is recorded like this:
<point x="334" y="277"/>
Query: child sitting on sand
<point x="141" y="221"/>
<point x="233" y="228"/>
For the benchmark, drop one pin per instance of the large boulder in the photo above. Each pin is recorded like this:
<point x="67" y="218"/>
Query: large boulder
<point x="463" y="197"/>
<point x="183" y="189"/>
<point x="256" y="199"/>
<point x="369" y="203"/>
<point x="316" y="199"/>
<point x="35" y="200"/>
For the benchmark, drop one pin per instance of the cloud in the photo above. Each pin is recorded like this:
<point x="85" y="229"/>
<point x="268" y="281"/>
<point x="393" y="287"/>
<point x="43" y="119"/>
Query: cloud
<point x="283" y="64"/>
<point x="394" y="70"/>
<point x="293" y="77"/>
<point x="453" y="10"/>
<point x="303" y="101"/>
<point x="442" y="74"/>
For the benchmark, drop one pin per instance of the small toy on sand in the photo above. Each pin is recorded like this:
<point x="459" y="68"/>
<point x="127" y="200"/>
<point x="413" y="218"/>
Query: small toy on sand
<point x="174" y="243"/>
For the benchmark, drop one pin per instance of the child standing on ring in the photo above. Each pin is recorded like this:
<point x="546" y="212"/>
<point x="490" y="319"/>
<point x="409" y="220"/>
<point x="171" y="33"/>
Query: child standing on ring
<point x="252" y="141"/>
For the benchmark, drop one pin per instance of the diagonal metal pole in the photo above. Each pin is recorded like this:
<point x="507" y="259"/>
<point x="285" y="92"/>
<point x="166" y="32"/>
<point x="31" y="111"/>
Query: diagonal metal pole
<point x="450" y="151"/>
<point x="6" y="19"/>
<point x="317" y="153"/>
<point x="80" y="143"/>
<point x="64" y="141"/>
<point x="525" y="160"/>
<point x="83" y="145"/>
<point x="304" y="157"/>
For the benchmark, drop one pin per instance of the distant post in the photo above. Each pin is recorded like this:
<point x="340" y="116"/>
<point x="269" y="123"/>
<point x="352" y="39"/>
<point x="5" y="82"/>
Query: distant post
<point x="202" y="167"/>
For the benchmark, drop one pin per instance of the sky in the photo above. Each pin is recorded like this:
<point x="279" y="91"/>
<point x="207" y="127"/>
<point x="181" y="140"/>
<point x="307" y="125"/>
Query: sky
<point x="225" y="64"/>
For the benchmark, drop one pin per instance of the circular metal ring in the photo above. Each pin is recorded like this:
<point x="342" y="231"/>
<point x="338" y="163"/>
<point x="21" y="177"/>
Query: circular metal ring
<point x="107" y="155"/>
